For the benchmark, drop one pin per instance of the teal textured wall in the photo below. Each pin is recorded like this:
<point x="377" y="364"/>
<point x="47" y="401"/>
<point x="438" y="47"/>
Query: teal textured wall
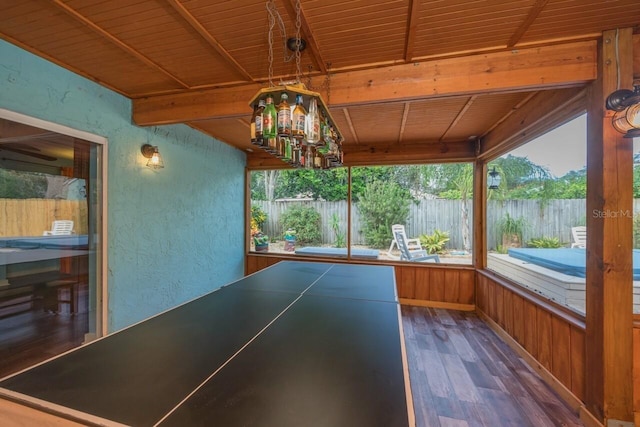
<point x="175" y="233"/>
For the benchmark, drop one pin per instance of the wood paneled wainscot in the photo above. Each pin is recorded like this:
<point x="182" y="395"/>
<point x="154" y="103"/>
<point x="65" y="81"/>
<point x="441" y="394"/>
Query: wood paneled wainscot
<point x="443" y="286"/>
<point x="549" y="337"/>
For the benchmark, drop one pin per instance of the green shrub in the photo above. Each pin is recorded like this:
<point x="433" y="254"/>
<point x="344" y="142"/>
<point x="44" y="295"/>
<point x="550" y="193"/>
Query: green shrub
<point x="306" y="221"/>
<point x="545" y="242"/>
<point x="258" y="217"/>
<point x="382" y="204"/>
<point x="434" y="243"/>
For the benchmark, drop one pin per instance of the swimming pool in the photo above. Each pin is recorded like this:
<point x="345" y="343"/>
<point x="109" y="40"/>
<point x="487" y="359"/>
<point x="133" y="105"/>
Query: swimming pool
<point x="571" y="261"/>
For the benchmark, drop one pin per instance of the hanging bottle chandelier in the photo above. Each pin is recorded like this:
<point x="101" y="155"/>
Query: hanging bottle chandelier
<point x="299" y="129"/>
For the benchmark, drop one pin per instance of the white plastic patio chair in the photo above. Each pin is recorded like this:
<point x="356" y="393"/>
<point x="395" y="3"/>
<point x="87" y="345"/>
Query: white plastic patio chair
<point x="60" y="228"/>
<point x="579" y="235"/>
<point x="415" y="255"/>
<point x="412" y="244"/>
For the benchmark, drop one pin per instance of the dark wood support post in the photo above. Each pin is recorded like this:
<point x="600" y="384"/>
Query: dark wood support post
<point x="609" y="279"/>
<point x="480" y="215"/>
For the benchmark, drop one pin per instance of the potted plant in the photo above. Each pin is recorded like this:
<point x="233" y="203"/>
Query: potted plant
<point x="261" y="242"/>
<point x="511" y="230"/>
<point x="290" y="240"/>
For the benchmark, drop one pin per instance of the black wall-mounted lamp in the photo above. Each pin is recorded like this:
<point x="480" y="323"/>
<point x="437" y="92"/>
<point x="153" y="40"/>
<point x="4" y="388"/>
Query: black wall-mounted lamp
<point x="494" y="179"/>
<point x="626" y="104"/>
<point x="151" y="152"/>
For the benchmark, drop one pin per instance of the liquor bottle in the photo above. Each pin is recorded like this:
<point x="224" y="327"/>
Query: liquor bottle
<point x="312" y="128"/>
<point x="326" y="131"/>
<point x="287" y="150"/>
<point x="258" y="122"/>
<point x="284" y="115"/>
<point x="295" y="153"/>
<point x="252" y="126"/>
<point x="308" y="157"/>
<point x="318" y="160"/>
<point x="269" y="119"/>
<point x="298" y="118"/>
<point x="272" y="144"/>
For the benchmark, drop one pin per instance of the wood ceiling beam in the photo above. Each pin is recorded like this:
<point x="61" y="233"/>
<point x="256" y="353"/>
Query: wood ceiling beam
<point x="543" y="112"/>
<point x="459" y="116"/>
<point x="531" y="17"/>
<point x="415" y="153"/>
<point x="215" y="44"/>
<point x="403" y="123"/>
<point x="385" y="154"/>
<point x="117" y="42"/>
<point x="306" y="33"/>
<point x="563" y="65"/>
<point x="412" y="24"/>
<point x="352" y="128"/>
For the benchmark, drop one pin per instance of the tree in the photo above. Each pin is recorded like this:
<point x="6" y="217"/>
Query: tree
<point x="22" y="185"/>
<point x="270" y="179"/>
<point x="383" y="203"/>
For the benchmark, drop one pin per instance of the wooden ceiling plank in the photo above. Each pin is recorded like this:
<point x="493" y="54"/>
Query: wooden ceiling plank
<point x="547" y="107"/>
<point x="403" y="123"/>
<point x="62" y="64"/>
<point x="92" y="26"/>
<point x="306" y="33"/>
<point x="196" y="25"/>
<point x="352" y="128"/>
<point x="459" y="116"/>
<point x="565" y="65"/>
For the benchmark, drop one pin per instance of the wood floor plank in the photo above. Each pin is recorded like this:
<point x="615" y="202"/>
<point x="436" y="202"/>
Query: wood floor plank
<point x="437" y="377"/>
<point x="534" y="412"/>
<point x="480" y="375"/>
<point x="504" y="404"/>
<point x="451" y="422"/>
<point x="461" y="382"/>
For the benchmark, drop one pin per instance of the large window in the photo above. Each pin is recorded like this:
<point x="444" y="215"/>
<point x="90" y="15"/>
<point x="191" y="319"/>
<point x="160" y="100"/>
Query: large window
<point x="536" y="219"/>
<point x="306" y="212"/>
<point x="50" y="265"/>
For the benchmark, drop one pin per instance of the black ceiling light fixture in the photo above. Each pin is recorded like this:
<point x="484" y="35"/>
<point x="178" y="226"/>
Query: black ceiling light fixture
<point x="295" y="44"/>
<point x="626" y="104"/>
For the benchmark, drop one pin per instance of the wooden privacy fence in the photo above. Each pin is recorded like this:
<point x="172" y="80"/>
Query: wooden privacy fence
<point x="552" y="218"/>
<point x="31" y="217"/>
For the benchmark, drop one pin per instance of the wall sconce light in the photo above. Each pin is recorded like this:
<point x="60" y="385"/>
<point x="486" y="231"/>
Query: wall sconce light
<point x="626" y="104"/>
<point x="494" y="179"/>
<point x="151" y="152"/>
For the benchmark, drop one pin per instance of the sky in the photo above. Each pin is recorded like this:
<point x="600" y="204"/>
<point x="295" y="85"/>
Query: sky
<point x="563" y="149"/>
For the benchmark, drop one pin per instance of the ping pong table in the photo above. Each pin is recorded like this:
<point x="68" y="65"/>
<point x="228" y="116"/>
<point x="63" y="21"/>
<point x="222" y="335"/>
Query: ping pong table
<point x="296" y="344"/>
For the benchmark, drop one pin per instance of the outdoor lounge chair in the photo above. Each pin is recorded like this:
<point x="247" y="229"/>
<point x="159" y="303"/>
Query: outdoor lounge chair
<point x="60" y="228"/>
<point x="412" y="244"/>
<point x="579" y="235"/>
<point x="413" y="256"/>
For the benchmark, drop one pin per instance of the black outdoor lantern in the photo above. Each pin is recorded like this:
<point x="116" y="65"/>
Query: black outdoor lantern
<point x="626" y="104"/>
<point x="494" y="179"/>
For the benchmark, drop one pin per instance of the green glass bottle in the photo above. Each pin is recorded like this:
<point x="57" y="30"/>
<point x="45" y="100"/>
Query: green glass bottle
<point x="269" y="119"/>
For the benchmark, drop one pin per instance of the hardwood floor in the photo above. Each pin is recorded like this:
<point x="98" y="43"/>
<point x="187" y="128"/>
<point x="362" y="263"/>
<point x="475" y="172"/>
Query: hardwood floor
<point x="462" y="374"/>
<point x="31" y="336"/>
